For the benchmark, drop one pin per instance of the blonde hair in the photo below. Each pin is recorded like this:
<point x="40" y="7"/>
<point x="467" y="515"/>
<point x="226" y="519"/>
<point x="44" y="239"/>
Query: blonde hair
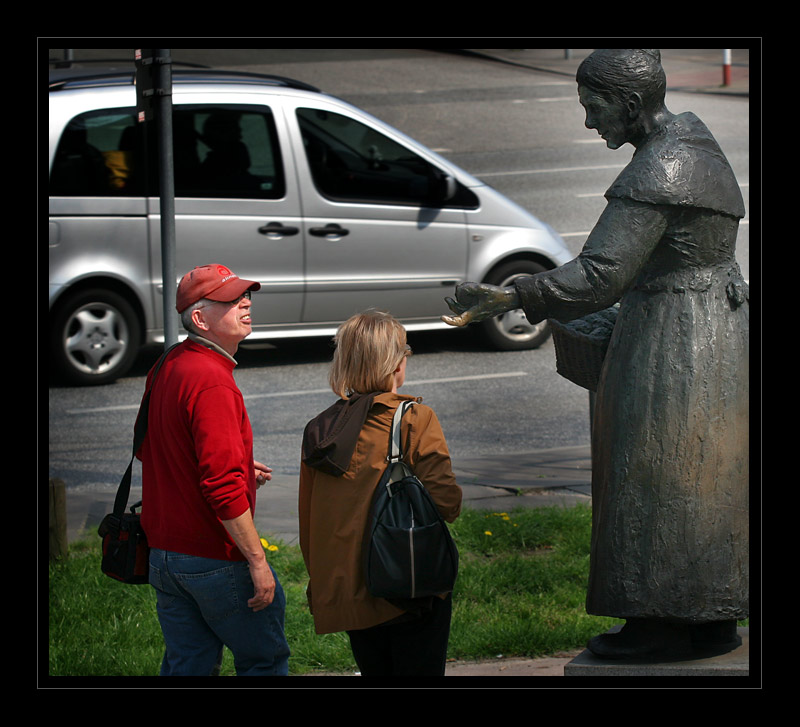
<point x="369" y="348"/>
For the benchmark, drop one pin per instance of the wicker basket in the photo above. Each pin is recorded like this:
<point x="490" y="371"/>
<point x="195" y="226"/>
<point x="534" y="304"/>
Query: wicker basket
<point x="581" y="346"/>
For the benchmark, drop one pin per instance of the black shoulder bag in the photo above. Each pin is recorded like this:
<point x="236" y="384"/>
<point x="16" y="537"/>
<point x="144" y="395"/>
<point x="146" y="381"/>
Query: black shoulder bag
<point x="408" y="550"/>
<point x="126" y="553"/>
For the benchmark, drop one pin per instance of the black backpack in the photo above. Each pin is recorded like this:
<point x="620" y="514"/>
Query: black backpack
<point x="408" y="550"/>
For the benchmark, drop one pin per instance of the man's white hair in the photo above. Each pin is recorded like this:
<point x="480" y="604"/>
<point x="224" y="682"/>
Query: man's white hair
<point x="186" y="315"/>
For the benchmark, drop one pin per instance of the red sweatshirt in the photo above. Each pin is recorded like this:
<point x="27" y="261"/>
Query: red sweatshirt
<point x="197" y="457"/>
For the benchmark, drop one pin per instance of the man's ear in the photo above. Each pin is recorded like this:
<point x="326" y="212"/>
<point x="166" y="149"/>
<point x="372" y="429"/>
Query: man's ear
<point x="199" y="319"/>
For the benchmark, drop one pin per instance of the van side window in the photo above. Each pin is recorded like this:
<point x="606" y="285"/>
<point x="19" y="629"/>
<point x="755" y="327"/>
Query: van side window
<point x="352" y="162"/>
<point x="226" y="151"/>
<point x="223" y="151"/>
<point x="99" y="154"/>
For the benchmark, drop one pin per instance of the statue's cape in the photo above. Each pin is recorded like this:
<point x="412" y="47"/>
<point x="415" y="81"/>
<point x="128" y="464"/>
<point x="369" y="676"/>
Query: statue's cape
<point x="681" y="164"/>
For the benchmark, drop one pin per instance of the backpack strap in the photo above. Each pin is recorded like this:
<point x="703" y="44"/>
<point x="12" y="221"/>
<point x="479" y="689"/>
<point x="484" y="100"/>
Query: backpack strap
<point x="399" y="469"/>
<point x="396" y="450"/>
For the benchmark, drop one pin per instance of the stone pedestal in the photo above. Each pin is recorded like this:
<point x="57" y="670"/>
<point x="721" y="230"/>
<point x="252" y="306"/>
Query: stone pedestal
<point x="734" y="663"/>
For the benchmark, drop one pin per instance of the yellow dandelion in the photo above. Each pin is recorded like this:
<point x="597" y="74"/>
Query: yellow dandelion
<point x="487" y="532"/>
<point x="266" y="545"/>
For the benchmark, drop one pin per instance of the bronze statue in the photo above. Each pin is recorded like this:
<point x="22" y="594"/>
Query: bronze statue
<point x="670" y="470"/>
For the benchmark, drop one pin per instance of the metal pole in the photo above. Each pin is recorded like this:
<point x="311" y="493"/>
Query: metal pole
<point x="726" y="67"/>
<point x="167" y="185"/>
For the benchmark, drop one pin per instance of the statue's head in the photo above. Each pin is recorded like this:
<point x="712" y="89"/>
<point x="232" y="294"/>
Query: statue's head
<point x="620" y="90"/>
<point x="617" y="73"/>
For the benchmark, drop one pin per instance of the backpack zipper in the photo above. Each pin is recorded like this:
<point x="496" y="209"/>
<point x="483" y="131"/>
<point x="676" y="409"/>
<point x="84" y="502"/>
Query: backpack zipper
<point x="411" y="554"/>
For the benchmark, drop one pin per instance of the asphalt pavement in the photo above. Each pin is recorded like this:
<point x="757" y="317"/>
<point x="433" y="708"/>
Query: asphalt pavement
<point x="538" y="477"/>
<point x="498" y="483"/>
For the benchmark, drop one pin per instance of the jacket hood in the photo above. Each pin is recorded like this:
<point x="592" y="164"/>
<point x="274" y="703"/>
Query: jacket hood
<point x="330" y="438"/>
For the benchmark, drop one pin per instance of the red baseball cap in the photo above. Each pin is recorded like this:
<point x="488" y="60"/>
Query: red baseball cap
<point x="215" y="282"/>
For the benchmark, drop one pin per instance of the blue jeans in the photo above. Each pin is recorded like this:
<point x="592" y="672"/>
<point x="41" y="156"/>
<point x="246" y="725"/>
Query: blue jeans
<point x="202" y="605"/>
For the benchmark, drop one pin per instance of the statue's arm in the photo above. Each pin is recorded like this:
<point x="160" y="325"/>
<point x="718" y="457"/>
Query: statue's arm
<point x="614" y="254"/>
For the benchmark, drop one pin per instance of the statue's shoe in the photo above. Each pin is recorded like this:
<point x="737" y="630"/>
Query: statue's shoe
<point x="644" y="639"/>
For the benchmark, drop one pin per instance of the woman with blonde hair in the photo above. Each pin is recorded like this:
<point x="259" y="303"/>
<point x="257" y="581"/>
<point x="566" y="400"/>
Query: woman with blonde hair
<point x="344" y="455"/>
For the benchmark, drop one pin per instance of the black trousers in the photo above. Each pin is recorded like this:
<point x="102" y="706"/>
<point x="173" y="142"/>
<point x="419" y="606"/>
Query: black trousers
<point x="413" y="646"/>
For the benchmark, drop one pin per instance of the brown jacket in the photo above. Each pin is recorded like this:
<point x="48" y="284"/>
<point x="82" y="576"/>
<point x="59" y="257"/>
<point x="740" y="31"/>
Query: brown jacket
<point x="334" y="512"/>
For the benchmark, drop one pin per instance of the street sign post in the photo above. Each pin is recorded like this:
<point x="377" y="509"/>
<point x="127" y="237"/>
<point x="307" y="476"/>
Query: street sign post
<point x="154" y="105"/>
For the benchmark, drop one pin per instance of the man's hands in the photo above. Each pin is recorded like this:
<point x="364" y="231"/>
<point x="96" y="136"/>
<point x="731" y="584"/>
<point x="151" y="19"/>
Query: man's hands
<point x="263" y="473"/>
<point x="477" y="301"/>
<point x="244" y="534"/>
<point x="264" y="583"/>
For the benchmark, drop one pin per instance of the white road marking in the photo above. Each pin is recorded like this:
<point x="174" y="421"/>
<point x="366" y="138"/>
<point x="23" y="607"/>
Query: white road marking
<point x="305" y="392"/>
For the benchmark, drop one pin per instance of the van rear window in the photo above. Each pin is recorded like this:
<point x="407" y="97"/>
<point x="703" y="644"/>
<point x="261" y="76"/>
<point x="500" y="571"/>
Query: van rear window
<point x="218" y="151"/>
<point x="99" y="154"/>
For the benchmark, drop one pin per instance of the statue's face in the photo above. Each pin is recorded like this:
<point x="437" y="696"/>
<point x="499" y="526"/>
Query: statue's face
<point x="609" y="117"/>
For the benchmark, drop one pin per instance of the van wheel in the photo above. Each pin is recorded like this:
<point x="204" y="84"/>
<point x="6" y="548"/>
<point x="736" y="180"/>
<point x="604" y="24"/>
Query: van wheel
<point x="95" y="337"/>
<point x="511" y="331"/>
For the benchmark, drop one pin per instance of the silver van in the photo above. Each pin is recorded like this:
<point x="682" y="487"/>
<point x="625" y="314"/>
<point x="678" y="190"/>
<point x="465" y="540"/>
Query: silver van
<point x="330" y="209"/>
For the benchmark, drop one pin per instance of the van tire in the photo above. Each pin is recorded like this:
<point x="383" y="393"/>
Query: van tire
<point x="95" y="337"/>
<point x="511" y="331"/>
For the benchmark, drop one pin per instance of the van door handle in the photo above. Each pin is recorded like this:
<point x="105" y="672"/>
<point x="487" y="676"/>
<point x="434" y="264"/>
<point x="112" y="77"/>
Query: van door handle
<point x="276" y="228"/>
<point x="332" y="229"/>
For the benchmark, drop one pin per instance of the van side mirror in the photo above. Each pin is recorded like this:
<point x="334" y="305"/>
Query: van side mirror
<point x="449" y="187"/>
<point x="442" y="187"/>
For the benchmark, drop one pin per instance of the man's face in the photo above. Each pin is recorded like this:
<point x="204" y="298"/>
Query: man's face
<point x="227" y="324"/>
<point x="609" y="117"/>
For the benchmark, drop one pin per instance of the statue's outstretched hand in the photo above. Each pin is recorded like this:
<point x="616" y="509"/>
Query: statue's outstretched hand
<point x="477" y="301"/>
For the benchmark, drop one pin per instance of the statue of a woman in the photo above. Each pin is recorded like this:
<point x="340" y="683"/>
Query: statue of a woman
<point x="670" y="469"/>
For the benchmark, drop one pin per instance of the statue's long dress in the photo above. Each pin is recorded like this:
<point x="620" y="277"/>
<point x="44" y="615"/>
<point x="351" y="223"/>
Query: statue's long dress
<point x="671" y="422"/>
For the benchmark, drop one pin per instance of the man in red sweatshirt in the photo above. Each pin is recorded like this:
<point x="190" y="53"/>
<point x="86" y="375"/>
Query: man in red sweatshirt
<point x="213" y="583"/>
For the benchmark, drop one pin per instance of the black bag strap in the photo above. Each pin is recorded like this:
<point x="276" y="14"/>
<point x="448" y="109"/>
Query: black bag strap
<point x="139" y="432"/>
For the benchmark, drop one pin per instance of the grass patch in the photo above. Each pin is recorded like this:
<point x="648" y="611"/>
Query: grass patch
<point x="522" y="583"/>
<point x="520" y="592"/>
